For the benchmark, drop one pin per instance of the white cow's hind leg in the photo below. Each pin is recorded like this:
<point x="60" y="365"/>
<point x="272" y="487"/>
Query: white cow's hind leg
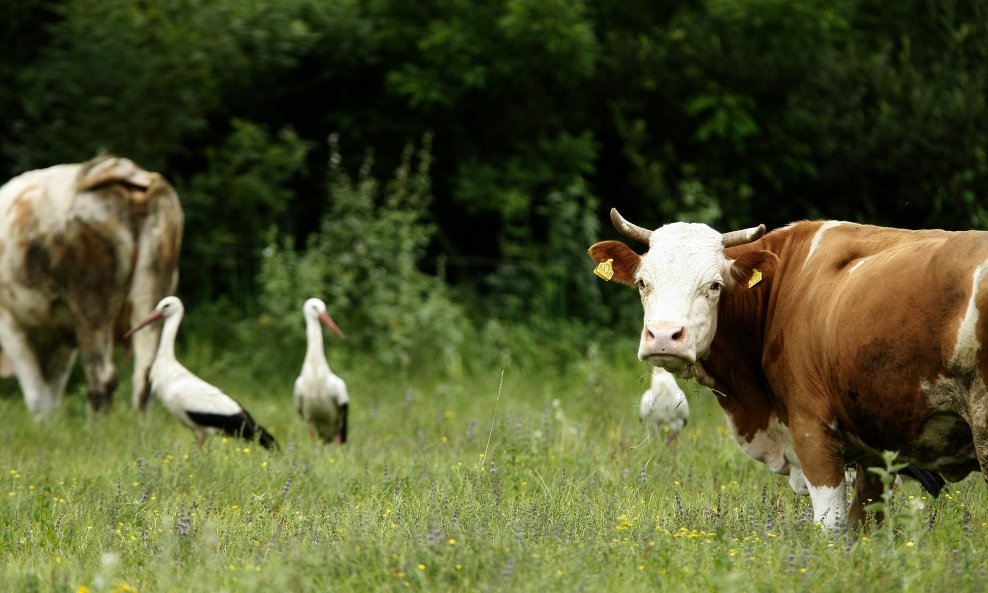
<point x="59" y="367"/>
<point x="38" y="395"/>
<point x="144" y="344"/>
<point x="96" y="346"/>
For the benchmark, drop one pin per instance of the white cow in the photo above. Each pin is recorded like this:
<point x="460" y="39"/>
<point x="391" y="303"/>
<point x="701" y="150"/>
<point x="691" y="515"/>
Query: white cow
<point x="664" y="409"/>
<point x="85" y="250"/>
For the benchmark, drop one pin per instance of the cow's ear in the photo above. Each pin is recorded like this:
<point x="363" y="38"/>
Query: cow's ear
<point x="624" y="261"/>
<point x="753" y="267"/>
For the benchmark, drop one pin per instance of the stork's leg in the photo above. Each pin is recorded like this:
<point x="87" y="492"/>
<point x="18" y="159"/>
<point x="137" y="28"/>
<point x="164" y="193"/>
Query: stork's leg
<point x="38" y="395"/>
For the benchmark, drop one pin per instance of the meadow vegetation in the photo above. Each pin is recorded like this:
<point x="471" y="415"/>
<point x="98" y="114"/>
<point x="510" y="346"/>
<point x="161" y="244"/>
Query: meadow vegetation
<point x="561" y="492"/>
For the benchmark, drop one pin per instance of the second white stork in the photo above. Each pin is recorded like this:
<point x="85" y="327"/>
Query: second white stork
<point x="663" y="405"/>
<point x="199" y="405"/>
<point x="320" y="396"/>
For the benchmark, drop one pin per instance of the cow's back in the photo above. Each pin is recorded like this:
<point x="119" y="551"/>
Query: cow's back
<point x="58" y="239"/>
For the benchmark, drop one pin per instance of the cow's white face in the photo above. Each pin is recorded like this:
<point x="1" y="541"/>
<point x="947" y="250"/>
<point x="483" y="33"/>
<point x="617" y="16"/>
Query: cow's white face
<point x="680" y="280"/>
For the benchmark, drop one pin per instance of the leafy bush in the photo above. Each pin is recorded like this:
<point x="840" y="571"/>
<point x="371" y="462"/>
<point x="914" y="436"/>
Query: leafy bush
<point x="243" y="191"/>
<point x="364" y="262"/>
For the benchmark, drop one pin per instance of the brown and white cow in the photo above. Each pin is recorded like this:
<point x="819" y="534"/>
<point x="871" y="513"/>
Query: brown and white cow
<point x="827" y="342"/>
<point x="85" y="251"/>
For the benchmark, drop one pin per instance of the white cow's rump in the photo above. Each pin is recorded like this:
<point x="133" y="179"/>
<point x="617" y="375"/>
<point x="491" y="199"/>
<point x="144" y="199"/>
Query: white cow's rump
<point x="84" y="249"/>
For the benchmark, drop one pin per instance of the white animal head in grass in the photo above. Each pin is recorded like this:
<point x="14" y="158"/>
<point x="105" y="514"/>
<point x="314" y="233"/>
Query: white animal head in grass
<point x="664" y="409"/>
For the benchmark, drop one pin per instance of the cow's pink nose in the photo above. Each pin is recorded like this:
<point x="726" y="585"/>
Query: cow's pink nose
<point x="663" y="338"/>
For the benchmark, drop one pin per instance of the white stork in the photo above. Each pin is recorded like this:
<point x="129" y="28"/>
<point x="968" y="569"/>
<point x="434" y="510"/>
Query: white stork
<point x="321" y="397"/>
<point x="663" y="405"/>
<point x="200" y="406"/>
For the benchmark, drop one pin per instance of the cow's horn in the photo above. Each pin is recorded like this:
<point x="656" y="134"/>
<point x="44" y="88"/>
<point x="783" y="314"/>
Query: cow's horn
<point x="743" y="236"/>
<point x="629" y="230"/>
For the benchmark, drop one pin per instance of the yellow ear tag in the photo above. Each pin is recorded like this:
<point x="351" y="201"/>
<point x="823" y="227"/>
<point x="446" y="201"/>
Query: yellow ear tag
<point x="756" y="277"/>
<point x="604" y="270"/>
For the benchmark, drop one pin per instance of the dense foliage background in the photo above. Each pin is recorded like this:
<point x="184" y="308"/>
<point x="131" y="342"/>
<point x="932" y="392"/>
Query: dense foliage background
<point x="436" y="169"/>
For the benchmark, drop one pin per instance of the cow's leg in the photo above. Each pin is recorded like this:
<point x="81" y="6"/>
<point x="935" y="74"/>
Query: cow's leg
<point x="58" y="367"/>
<point x="144" y="344"/>
<point x="96" y="347"/>
<point x="818" y="450"/>
<point x="38" y="395"/>
<point x="868" y="488"/>
<point x="155" y="276"/>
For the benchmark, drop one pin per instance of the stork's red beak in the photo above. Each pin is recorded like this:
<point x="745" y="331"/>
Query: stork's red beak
<point x="328" y="322"/>
<point x="154" y="316"/>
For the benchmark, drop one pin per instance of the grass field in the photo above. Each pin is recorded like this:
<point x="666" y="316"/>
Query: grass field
<point x="561" y="493"/>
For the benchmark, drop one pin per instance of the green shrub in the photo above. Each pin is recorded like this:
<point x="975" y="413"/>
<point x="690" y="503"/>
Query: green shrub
<point x="364" y="262"/>
<point x="244" y="189"/>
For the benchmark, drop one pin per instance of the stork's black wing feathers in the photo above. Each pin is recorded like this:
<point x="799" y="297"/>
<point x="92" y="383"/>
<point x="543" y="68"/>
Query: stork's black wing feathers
<point x="236" y="425"/>
<point x="932" y="482"/>
<point x="344" y="412"/>
<point x="335" y="431"/>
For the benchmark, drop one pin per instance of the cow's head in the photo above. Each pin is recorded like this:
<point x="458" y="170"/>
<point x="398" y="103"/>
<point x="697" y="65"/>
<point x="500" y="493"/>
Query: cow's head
<point x="680" y="280"/>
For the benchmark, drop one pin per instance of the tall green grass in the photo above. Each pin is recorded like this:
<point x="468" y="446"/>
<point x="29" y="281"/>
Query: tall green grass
<point x="569" y="497"/>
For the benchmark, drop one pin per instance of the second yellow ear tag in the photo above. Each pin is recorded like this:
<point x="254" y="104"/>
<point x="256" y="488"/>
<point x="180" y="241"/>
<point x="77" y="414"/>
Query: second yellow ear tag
<point x="604" y="270"/>
<point x="756" y="277"/>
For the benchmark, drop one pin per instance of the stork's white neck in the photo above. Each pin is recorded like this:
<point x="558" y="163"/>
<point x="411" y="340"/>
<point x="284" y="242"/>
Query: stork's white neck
<point x="166" y="346"/>
<point x="314" y="352"/>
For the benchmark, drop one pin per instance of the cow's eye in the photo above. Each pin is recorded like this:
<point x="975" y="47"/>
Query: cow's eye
<point x="715" y="286"/>
<point x="640" y="285"/>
